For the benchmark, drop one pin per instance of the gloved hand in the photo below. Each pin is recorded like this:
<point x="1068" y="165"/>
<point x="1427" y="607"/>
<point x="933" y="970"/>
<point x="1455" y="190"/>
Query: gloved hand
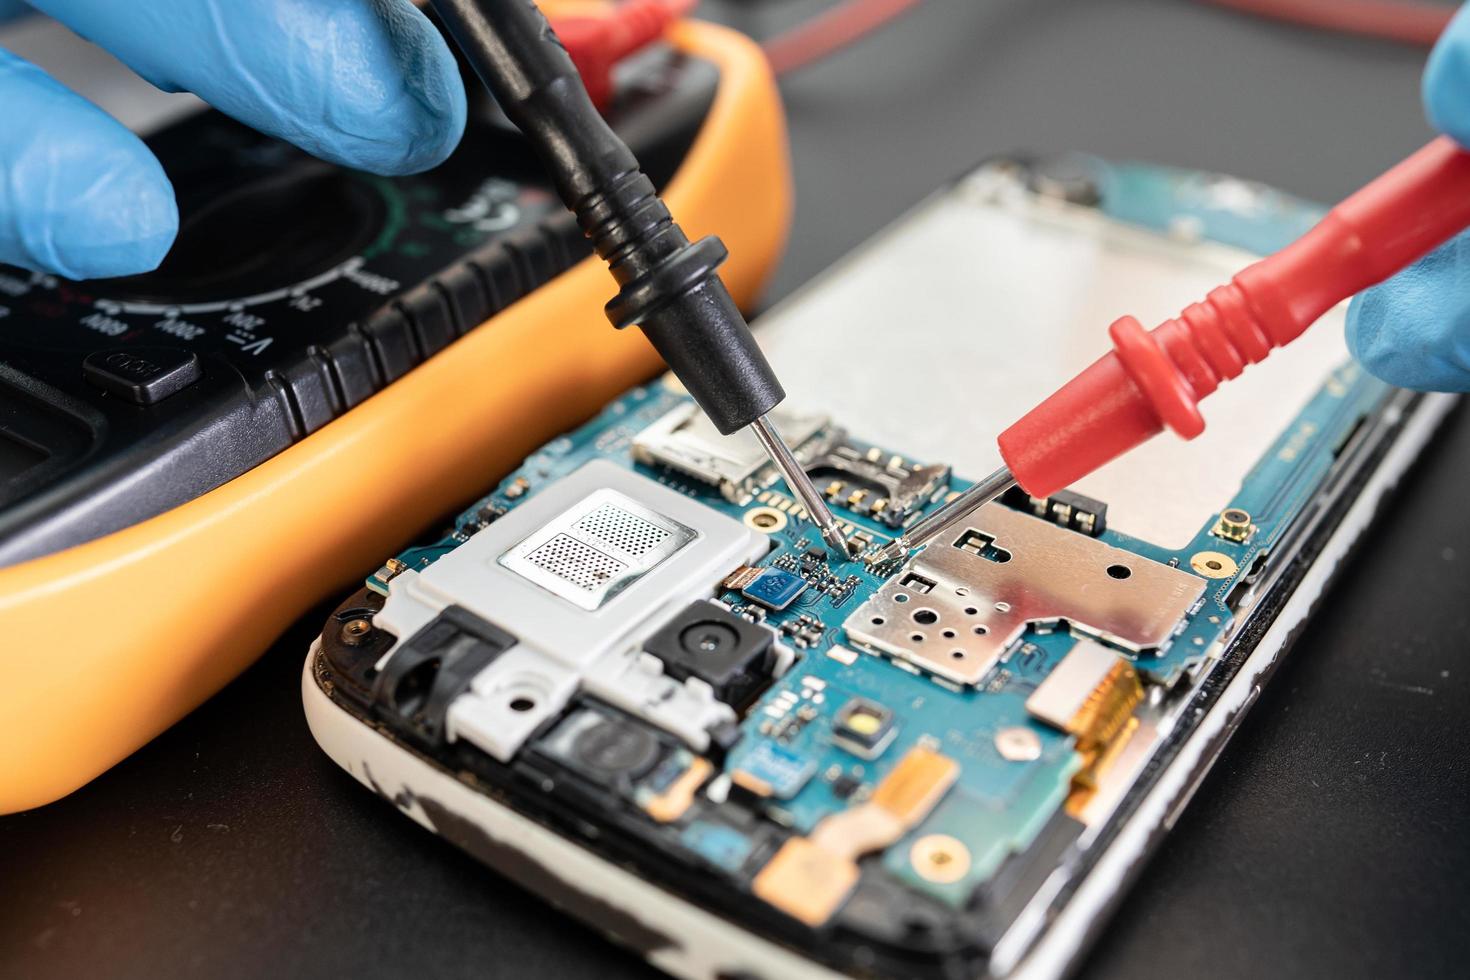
<point x="366" y="83"/>
<point x="1414" y="329"/>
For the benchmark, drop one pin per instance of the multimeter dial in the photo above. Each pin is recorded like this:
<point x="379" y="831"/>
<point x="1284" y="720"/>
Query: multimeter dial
<point x="272" y="243"/>
<point x="243" y="242"/>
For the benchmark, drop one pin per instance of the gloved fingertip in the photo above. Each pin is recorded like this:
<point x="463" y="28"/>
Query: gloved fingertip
<point x="82" y="260"/>
<point x="413" y="115"/>
<point x="368" y="84"/>
<point x="432" y="109"/>
<point x="1402" y="340"/>
<point x="415" y="132"/>
<point x="1362" y="330"/>
<point x="123" y="221"/>
<point x="1447" y="79"/>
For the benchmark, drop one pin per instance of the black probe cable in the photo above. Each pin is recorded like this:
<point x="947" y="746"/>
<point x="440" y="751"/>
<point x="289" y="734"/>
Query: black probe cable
<point x="668" y="286"/>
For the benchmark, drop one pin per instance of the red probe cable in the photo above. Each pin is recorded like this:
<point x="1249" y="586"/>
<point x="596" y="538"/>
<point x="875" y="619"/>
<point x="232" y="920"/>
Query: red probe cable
<point x="830" y="32"/>
<point x="1411" y="23"/>
<point x="847" y="23"/>
<point x="1155" y="379"/>
<point x="598" y="42"/>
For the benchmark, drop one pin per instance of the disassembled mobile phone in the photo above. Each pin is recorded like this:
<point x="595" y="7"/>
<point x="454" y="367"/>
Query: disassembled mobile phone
<point x="631" y="679"/>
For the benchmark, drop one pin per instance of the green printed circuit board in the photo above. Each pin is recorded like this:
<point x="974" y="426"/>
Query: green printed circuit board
<point x="638" y="641"/>
<point x="821" y="738"/>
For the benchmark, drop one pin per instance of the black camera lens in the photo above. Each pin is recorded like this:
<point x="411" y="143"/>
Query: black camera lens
<point x="708" y="638"/>
<point x="733" y="655"/>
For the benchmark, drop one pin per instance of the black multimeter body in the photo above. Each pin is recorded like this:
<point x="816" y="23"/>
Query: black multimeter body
<point x="296" y="290"/>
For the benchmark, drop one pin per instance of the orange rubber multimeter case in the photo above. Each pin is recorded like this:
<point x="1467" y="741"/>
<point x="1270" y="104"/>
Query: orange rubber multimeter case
<point x="141" y="574"/>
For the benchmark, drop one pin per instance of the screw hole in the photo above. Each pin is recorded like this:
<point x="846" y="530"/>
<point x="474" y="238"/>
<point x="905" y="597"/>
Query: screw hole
<point x="925" y="617"/>
<point x="981" y="630"/>
<point x="1119" y="571"/>
<point x="957" y="654"/>
<point x="879" y="620"/>
<point x="901" y="597"/>
<point x="522" y="704"/>
<point x="971" y="611"/>
<point x="917" y="637"/>
<point x="949" y="634"/>
<point x="1214" y="565"/>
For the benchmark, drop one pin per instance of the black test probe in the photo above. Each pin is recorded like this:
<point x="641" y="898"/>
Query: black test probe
<point x="668" y="286"/>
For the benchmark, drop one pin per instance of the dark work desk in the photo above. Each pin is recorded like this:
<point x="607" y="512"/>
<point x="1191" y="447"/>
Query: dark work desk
<point x="1332" y="839"/>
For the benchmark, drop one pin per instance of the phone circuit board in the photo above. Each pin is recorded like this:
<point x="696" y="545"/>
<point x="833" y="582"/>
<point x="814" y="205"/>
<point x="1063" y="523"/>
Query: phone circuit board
<point x="638" y="641"/>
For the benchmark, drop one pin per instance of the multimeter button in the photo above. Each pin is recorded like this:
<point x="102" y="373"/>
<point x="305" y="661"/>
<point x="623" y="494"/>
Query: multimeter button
<point x="388" y="332"/>
<point x="431" y="318"/>
<point x="536" y="256"/>
<point x="352" y="364"/>
<point x="501" y="276"/>
<point x="142" y="375"/>
<point x="468" y="305"/>
<point x="313" y="400"/>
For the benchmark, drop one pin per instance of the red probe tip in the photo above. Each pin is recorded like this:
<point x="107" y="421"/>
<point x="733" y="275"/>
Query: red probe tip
<point x="1155" y="379"/>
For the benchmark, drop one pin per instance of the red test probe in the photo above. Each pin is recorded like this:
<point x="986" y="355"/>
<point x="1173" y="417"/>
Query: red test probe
<point x="1153" y="379"/>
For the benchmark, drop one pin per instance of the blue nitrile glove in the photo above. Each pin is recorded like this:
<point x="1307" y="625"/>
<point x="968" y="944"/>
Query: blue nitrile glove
<point x="366" y="83"/>
<point x="1414" y="329"/>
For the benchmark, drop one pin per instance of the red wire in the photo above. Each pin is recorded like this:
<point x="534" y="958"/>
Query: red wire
<point x="830" y="31"/>
<point x="1410" y="23"/>
<point x="847" y="23"/>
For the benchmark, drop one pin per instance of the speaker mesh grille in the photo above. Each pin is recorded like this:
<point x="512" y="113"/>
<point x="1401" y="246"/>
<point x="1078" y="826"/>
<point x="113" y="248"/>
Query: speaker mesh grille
<point x="580" y="564"/>
<point x="597" y="547"/>
<point x="626" y="532"/>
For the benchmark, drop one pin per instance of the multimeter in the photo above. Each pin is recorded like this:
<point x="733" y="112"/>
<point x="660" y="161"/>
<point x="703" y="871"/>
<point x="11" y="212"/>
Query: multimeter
<point x="295" y="291"/>
<point x="326" y="361"/>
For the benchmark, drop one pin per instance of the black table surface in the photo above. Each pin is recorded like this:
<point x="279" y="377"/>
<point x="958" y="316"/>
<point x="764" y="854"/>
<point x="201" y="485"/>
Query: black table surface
<point x="1331" y="837"/>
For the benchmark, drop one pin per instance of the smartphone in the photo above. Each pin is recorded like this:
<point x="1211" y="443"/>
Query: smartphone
<point x="632" y="679"/>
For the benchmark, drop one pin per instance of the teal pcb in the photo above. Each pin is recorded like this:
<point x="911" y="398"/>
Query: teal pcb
<point x="826" y="733"/>
<point x="793" y="738"/>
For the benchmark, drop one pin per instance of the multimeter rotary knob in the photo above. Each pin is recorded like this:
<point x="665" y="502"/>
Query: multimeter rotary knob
<point x="271" y="232"/>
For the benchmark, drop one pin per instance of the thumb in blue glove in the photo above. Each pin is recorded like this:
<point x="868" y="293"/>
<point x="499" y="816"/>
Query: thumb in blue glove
<point x="1414" y="329"/>
<point x="365" y="83"/>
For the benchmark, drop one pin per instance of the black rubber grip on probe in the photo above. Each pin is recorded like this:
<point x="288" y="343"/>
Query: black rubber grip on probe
<point x="669" y="287"/>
